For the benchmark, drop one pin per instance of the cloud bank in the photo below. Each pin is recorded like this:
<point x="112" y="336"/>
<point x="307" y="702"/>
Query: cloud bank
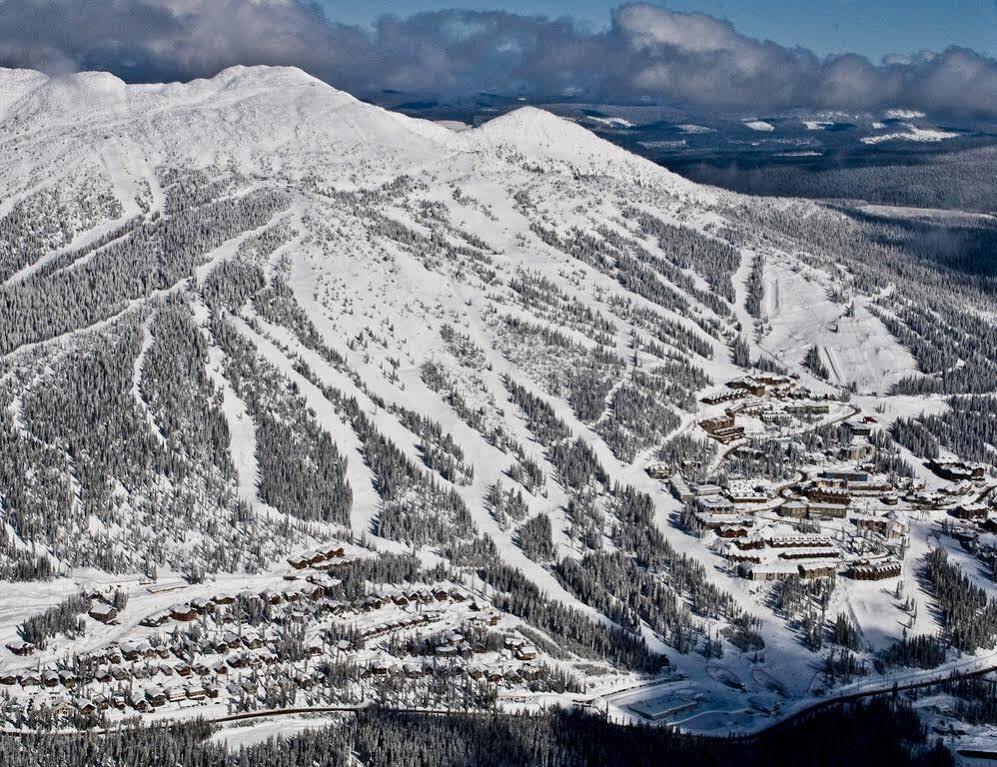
<point x="647" y="53"/>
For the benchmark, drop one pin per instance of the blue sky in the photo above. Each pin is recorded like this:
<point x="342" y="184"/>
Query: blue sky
<point x="870" y="27"/>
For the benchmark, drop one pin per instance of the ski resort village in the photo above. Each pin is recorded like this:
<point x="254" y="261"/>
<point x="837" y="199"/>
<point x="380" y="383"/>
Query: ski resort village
<point x="309" y="407"/>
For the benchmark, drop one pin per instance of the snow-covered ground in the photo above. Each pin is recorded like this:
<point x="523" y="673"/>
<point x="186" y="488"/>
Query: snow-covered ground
<point x="402" y="227"/>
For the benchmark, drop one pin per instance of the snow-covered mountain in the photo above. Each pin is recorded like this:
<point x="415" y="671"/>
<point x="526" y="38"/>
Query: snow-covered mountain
<point x="243" y="316"/>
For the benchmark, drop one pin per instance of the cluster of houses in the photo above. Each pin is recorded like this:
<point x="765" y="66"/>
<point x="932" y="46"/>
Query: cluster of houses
<point x="782" y="556"/>
<point x="846" y="495"/>
<point x="234" y="648"/>
<point x="774" y="399"/>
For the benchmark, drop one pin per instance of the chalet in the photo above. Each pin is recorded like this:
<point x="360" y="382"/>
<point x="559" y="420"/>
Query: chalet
<point x="775" y="571"/>
<point x="875" y="571"/>
<point x="711" y="425"/>
<point x="725" y="396"/>
<point x="871" y="522"/>
<point x="776" y="417"/>
<point x="748" y="385"/>
<point x="195" y="691"/>
<point x="412" y="670"/>
<point x="372" y="602"/>
<point x="658" y="470"/>
<point x="795" y="509"/>
<point x="857" y="451"/>
<point x="680" y="489"/>
<point x="201" y="605"/>
<point x="223" y="599"/>
<point x="800" y="541"/>
<point x="746" y="544"/>
<point x="810" y="553"/>
<point x="715" y="504"/>
<point x="728" y="435"/>
<point x="331" y="550"/>
<point x="526" y="652"/>
<point x="817" y="569"/>
<point x="774" y="379"/>
<point x="707" y="521"/>
<point x="823" y="493"/>
<point x="312" y="591"/>
<point x="732" y="531"/>
<point x="970" y="511"/>
<point x="61" y="706"/>
<point x="859" y="428"/>
<point x="156" y="696"/>
<point x="67" y="678"/>
<point x="271" y="597"/>
<point x="50" y="678"/>
<point x="749" y="490"/>
<point x="133" y="651"/>
<point x="297" y="562"/>
<point x="314" y="557"/>
<point x="21" y="648"/>
<point x="737" y="556"/>
<point x="871" y="487"/>
<point x="842" y="475"/>
<point x="140" y="702"/>
<point x="956" y="470"/>
<point x="183" y="612"/>
<point x="809" y="408"/>
<point x="706" y="490"/>
<point x="513" y="642"/>
<point x="103" y="612"/>
<point x="29" y="679"/>
<point x="155" y="620"/>
<point x="824" y="511"/>
<point x="380" y="668"/>
<point x="751" y="407"/>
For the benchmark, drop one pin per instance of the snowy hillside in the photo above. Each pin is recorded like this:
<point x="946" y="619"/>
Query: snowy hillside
<point x="247" y="316"/>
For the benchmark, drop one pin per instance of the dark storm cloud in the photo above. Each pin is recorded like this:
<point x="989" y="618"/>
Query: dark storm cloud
<point x="647" y="53"/>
